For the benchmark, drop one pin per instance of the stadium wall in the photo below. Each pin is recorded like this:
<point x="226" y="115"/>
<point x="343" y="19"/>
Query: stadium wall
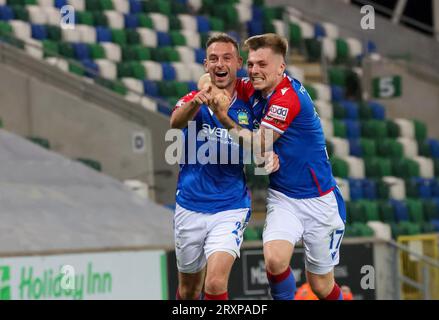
<point x="82" y="119"/>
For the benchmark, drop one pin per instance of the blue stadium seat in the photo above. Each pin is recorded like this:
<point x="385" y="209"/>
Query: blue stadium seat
<point x="337" y="93"/>
<point x="257" y="13"/>
<point x="435" y="189"/>
<point x="255" y="27"/>
<point x="235" y="35"/>
<point x="434" y="147"/>
<point x="242" y="73"/>
<point x="435" y="223"/>
<point x="60" y="3"/>
<point x="82" y="51"/>
<point x="351" y="109"/>
<point x="131" y="21"/>
<point x="353" y="129"/>
<point x="135" y="6"/>
<point x="378" y="111"/>
<point x="200" y="55"/>
<point x="163" y="108"/>
<point x="168" y="71"/>
<point x="203" y="24"/>
<point x="355" y="148"/>
<point x="356" y="188"/>
<point x="6" y="13"/>
<point x="164" y="39"/>
<point x="92" y="68"/>
<point x="150" y="88"/>
<point x="400" y="210"/>
<point x="371" y="46"/>
<point x="369" y="189"/>
<point x="319" y="31"/>
<point x="425" y="187"/>
<point x="103" y="34"/>
<point x="192" y="85"/>
<point x="39" y="32"/>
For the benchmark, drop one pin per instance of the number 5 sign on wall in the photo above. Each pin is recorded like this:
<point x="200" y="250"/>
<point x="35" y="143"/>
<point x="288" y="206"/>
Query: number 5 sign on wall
<point x="387" y="87"/>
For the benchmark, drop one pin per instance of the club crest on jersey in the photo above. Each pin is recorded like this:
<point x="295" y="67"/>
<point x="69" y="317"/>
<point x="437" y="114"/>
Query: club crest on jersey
<point x="243" y="118"/>
<point x="278" y="112"/>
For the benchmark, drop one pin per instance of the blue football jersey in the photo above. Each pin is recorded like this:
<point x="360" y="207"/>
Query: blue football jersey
<point x="211" y="177"/>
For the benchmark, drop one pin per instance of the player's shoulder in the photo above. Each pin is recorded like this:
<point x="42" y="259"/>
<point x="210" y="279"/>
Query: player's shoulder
<point x="244" y="88"/>
<point x="285" y="94"/>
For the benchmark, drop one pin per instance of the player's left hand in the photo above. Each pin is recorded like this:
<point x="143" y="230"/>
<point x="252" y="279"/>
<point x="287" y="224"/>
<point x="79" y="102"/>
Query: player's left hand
<point x="272" y="163"/>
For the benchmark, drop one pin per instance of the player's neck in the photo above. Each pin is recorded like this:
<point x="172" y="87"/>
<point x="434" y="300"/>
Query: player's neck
<point x="268" y="91"/>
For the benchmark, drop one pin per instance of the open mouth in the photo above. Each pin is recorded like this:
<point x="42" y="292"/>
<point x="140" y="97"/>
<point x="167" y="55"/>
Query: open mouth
<point x="256" y="79"/>
<point x="221" y="74"/>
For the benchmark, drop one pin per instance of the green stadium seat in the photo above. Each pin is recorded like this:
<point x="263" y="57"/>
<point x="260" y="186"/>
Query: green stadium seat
<point x="330" y="148"/>
<point x="119" y="87"/>
<point x="85" y="17"/>
<point x="100" y="19"/>
<point x="337" y="76"/>
<point x="106" y="5"/>
<point x="295" y="35"/>
<point x="5" y="28"/>
<point x="216" y="24"/>
<point x="378" y="167"/>
<point x="411" y="188"/>
<point x="368" y="147"/>
<point x="20" y="13"/>
<point x="431" y="210"/>
<point x="383" y="189"/>
<point x="1" y="123"/>
<point x="338" y="111"/>
<point x="40" y="141"/>
<point x="132" y="37"/>
<point x="145" y="21"/>
<point x="339" y="129"/>
<point x="436" y="168"/>
<point x="255" y="181"/>
<point x="66" y="50"/>
<point x="177" y="38"/>
<point x="405" y="168"/>
<point x="96" y="51"/>
<point x="251" y="234"/>
<point x="91" y="163"/>
<point x="416" y="211"/>
<point x="119" y="36"/>
<point x="50" y="48"/>
<point x="374" y="129"/>
<point x="311" y="91"/>
<point x="386" y="212"/>
<point x="370" y="209"/>
<point x="53" y="33"/>
<point x="360" y="230"/>
<point x="76" y="69"/>
<point x="157" y="6"/>
<point x="342" y="48"/>
<point x="389" y="148"/>
<point x="92" y="5"/>
<point x="314" y="51"/>
<point x="340" y="168"/>
<point x="428" y="227"/>
<point x="365" y="112"/>
<point x="420" y="130"/>
<point x="393" y="130"/>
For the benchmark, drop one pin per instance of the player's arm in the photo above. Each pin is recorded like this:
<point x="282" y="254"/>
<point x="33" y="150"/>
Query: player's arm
<point x="187" y="108"/>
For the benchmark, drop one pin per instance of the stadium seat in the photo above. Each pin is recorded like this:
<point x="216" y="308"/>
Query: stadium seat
<point x="397" y="187"/>
<point x="400" y="210"/>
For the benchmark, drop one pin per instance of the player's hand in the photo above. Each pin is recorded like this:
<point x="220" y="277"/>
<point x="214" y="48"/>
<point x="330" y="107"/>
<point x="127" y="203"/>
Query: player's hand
<point x="220" y="104"/>
<point x="203" y="97"/>
<point x="272" y="163"/>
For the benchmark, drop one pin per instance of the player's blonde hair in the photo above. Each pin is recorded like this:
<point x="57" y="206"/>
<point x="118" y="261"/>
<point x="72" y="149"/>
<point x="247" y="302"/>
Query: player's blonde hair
<point x="222" y="37"/>
<point x="278" y="44"/>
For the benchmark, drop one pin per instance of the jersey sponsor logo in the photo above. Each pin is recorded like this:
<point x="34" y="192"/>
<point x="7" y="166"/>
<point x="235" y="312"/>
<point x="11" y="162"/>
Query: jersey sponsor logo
<point x="243" y="118"/>
<point x="278" y="112"/>
<point x="284" y="90"/>
<point x="180" y="103"/>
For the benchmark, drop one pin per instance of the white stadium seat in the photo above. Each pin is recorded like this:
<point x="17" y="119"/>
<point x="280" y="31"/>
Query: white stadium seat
<point x="36" y="14"/>
<point x="381" y="230"/>
<point x="134" y="85"/>
<point x="426" y="167"/>
<point x="296" y="72"/>
<point x="307" y="30"/>
<point x="53" y="16"/>
<point x="45" y="3"/>
<point x="115" y="19"/>
<point x="197" y="70"/>
<point x="187" y="55"/>
<point x="21" y="29"/>
<point x="188" y="22"/>
<point x="148" y="37"/>
<point x="355" y="47"/>
<point x="410" y="147"/>
<point x="153" y="70"/>
<point x="182" y="71"/>
<point x="88" y="33"/>
<point x="148" y="104"/>
<point x="34" y="48"/>
<point x="356" y="167"/>
<point x="193" y="39"/>
<point x="133" y="97"/>
<point x="396" y="186"/>
<point x="244" y="12"/>
<point x="71" y="35"/>
<point x="329" y="49"/>
<point x="160" y="22"/>
<point x="323" y="91"/>
<point x="112" y="51"/>
<point x="328" y="127"/>
<point x="280" y="28"/>
<point x="406" y="128"/>
<point x="195" y="4"/>
<point x="107" y="69"/>
<point x="341" y="146"/>
<point x="343" y="185"/>
<point x="331" y="30"/>
<point x="79" y="5"/>
<point x="122" y="6"/>
<point x="59" y="62"/>
<point x="324" y="109"/>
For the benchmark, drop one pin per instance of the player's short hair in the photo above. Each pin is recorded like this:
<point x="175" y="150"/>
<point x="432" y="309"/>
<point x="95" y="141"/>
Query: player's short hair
<point x="222" y="37"/>
<point x="278" y="44"/>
